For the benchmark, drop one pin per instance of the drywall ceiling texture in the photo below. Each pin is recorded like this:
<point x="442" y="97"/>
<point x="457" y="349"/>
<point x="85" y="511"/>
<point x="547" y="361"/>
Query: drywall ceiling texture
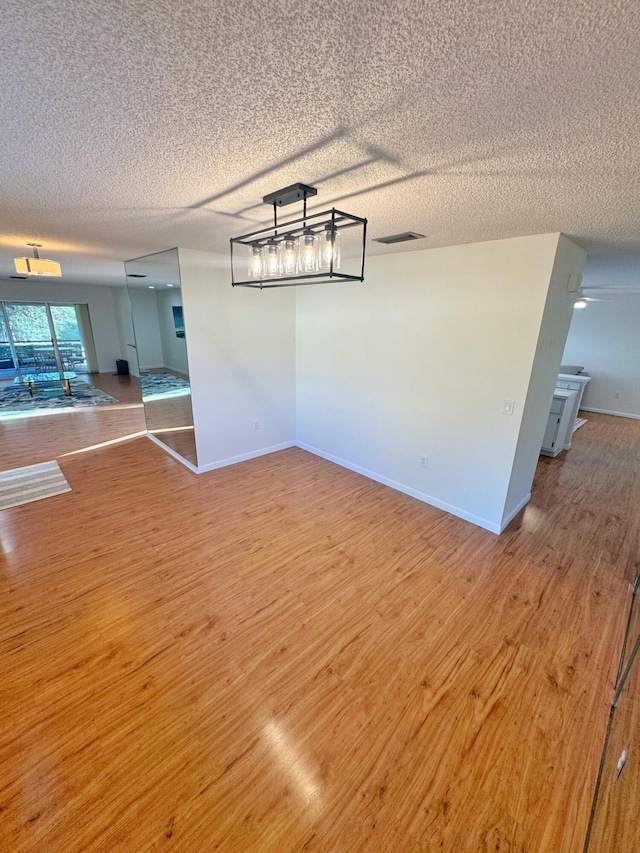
<point x="130" y="126"/>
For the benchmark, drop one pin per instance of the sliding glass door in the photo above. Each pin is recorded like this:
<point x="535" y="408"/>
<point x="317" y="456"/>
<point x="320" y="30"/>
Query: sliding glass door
<point x="32" y="339"/>
<point x="42" y="338"/>
<point x="6" y="350"/>
<point x="67" y="333"/>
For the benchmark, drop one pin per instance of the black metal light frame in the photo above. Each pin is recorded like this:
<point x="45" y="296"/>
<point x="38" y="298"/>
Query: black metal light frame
<point x="314" y="222"/>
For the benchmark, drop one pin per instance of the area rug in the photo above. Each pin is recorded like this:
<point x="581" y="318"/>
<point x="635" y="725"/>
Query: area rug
<point x="158" y="385"/>
<point x="579" y="422"/>
<point x="32" y="483"/>
<point x="49" y="397"/>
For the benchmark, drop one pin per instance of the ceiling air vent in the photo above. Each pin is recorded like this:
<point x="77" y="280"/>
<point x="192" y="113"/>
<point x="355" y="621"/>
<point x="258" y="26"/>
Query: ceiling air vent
<point x="135" y="275"/>
<point x="399" y="238"/>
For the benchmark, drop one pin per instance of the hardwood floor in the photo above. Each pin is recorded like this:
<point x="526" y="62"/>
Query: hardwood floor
<point x="615" y="825"/>
<point x="285" y="656"/>
<point x="27" y="441"/>
<point x="170" y="420"/>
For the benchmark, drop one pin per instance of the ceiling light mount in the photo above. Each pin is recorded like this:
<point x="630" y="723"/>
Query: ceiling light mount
<point x="307" y="250"/>
<point x="37" y="265"/>
<point x="288" y="195"/>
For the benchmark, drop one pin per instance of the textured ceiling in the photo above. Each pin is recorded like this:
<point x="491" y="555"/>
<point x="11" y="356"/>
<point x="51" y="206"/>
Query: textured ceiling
<point x="130" y="126"/>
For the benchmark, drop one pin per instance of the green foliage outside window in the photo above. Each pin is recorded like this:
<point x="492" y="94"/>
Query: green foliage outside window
<point x="30" y="328"/>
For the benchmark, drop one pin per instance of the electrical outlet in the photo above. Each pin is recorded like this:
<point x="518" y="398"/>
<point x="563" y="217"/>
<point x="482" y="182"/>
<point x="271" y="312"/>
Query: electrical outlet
<point x="423" y="460"/>
<point x="256" y="423"/>
<point x="616" y="395"/>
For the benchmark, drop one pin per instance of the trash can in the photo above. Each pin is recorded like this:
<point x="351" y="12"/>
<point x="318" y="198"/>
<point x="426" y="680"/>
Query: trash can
<point x="122" y="367"/>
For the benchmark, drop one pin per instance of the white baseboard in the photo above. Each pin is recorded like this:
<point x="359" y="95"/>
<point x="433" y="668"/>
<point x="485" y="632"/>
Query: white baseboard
<point x="511" y="515"/>
<point x="365" y="472"/>
<point x="221" y="463"/>
<point x="400" y="487"/>
<point x="175" y="455"/>
<point x="232" y="460"/>
<point x="609" y="412"/>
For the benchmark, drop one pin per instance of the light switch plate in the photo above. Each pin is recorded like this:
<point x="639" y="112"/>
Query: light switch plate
<point x="508" y="407"/>
<point x="574" y="282"/>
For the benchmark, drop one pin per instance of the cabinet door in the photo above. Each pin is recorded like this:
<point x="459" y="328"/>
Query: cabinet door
<point x="551" y="432"/>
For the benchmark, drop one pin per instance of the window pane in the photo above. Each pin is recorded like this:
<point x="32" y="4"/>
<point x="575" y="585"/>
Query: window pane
<point x="32" y="336"/>
<point x="28" y="323"/>
<point x="5" y="349"/>
<point x="67" y="329"/>
<point x="65" y="322"/>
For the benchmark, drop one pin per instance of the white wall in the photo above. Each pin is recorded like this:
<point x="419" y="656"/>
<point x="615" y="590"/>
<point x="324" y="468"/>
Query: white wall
<point x="569" y="260"/>
<point x="241" y="351"/>
<point x="146" y="324"/>
<point x="605" y="338"/>
<point x="419" y="360"/>
<point x="174" y="349"/>
<point x="126" y="335"/>
<point x="101" y="310"/>
<point x="158" y="344"/>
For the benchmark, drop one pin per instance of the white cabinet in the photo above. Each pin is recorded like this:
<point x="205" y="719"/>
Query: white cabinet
<point x="569" y="382"/>
<point x="559" y="422"/>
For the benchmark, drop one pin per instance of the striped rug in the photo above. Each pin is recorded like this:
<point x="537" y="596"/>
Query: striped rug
<point x="32" y="483"/>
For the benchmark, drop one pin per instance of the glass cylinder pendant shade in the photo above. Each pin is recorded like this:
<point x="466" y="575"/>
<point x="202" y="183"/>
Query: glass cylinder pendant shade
<point x="330" y="247"/>
<point x="271" y="259"/>
<point x="289" y="255"/>
<point x="255" y="261"/>
<point x="308" y="247"/>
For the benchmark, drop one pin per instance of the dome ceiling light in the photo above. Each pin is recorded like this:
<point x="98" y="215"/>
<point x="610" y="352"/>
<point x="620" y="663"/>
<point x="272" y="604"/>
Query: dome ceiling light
<point x="37" y="265"/>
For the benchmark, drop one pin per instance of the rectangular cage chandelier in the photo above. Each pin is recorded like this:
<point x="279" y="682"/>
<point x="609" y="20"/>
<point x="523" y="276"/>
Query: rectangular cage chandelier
<point x="316" y="248"/>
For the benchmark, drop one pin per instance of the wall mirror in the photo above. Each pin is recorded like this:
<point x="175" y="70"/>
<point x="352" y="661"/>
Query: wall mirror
<point x="158" y="353"/>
